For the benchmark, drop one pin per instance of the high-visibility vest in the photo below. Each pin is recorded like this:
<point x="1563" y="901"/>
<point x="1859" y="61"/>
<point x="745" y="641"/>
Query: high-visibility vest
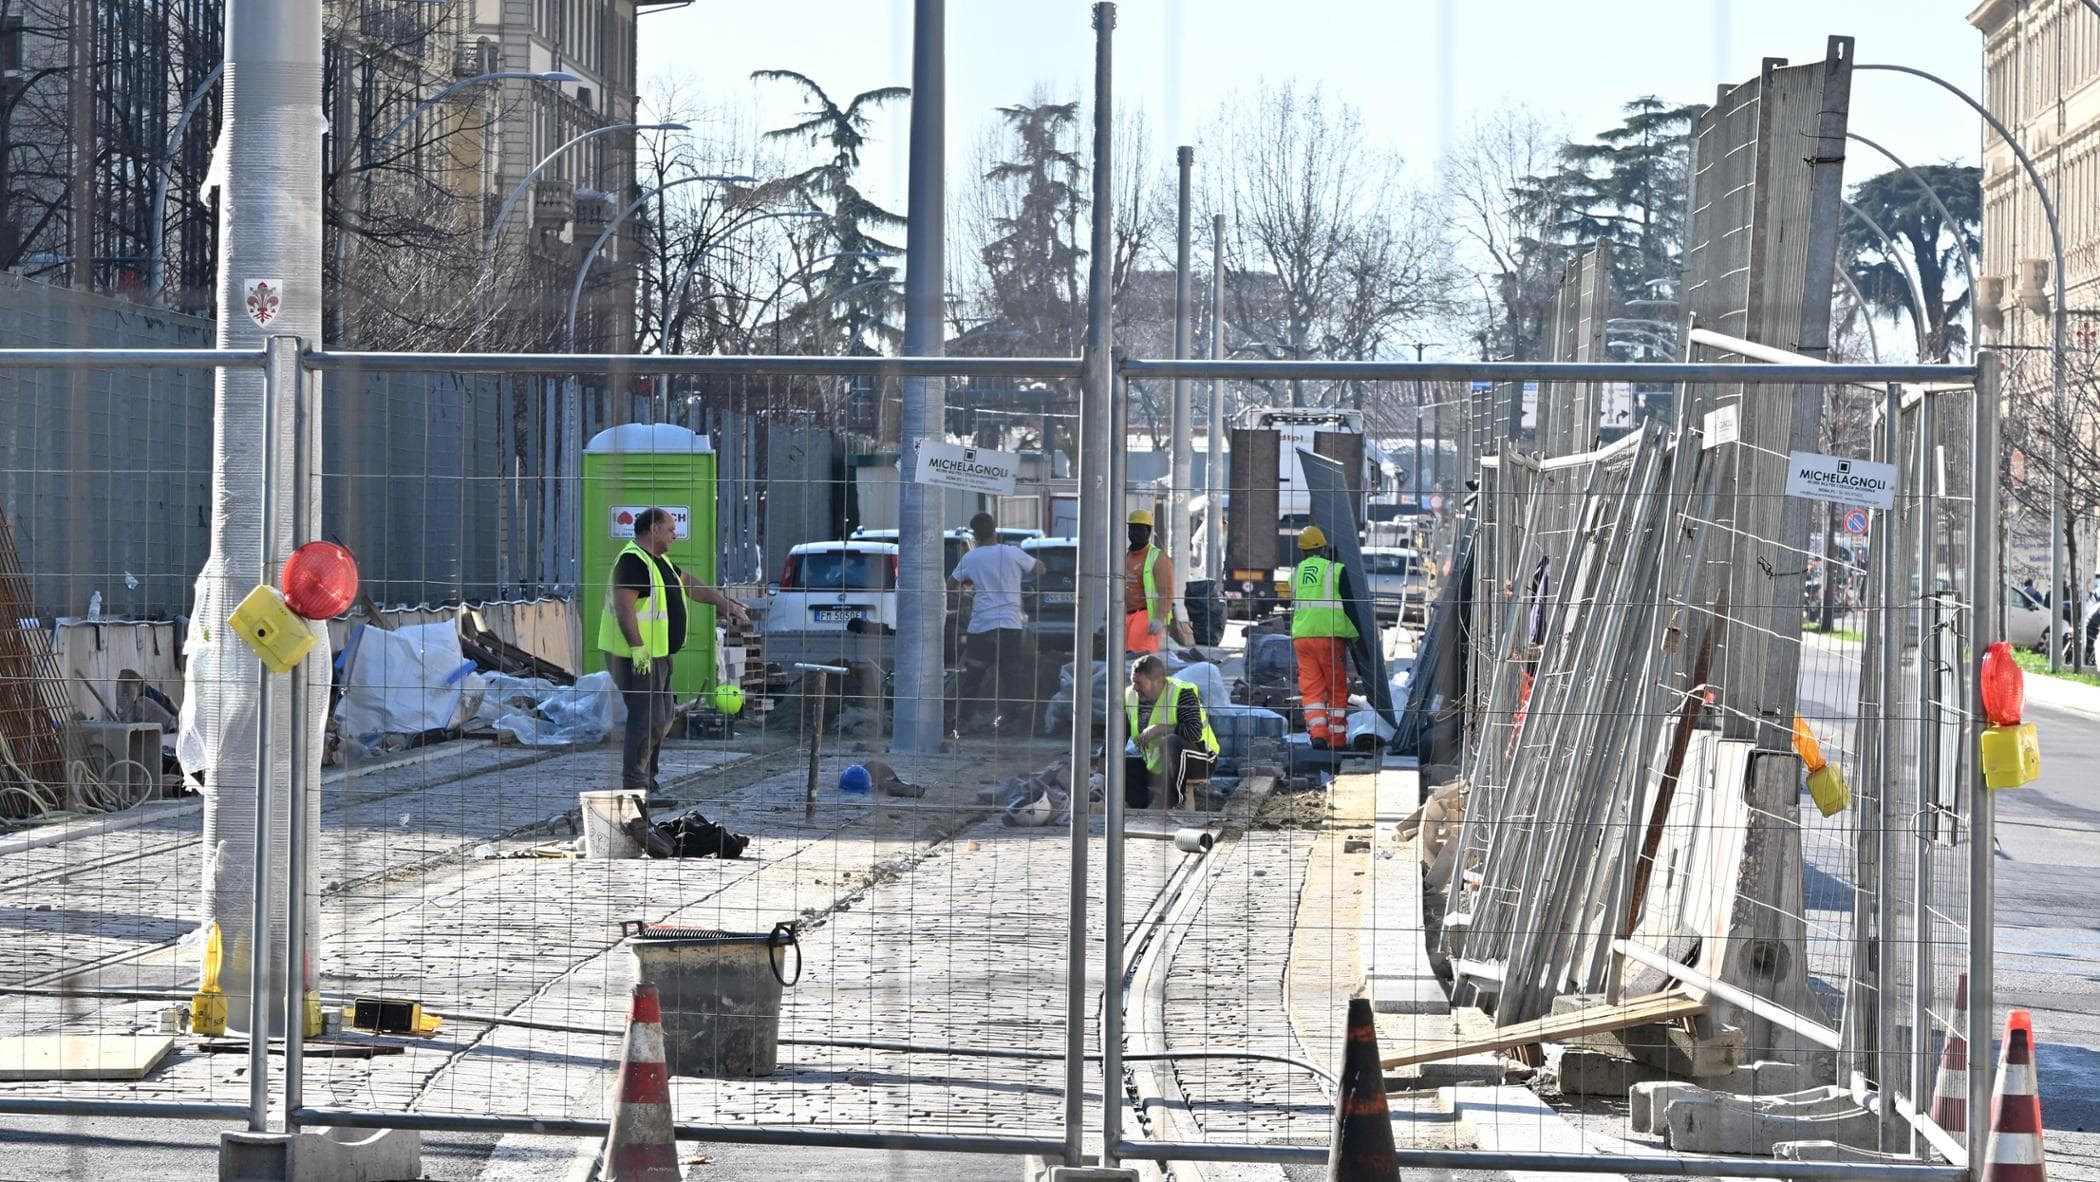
<point x="1152" y="584"/>
<point x="1316" y="601"/>
<point x="1165" y="711"/>
<point x="652" y="612"/>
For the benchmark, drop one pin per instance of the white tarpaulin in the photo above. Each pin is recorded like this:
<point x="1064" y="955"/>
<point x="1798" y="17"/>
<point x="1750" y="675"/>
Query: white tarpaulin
<point x="403" y="682"/>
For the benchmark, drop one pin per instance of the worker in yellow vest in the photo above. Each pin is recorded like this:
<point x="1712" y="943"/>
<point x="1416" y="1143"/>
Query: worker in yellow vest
<point x="640" y="627"/>
<point x="1148" y="588"/>
<point x="1171" y="731"/>
<point x="1320" y="634"/>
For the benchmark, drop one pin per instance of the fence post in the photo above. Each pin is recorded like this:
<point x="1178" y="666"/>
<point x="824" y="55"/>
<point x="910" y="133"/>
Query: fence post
<point x="1983" y="619"/>
<point x="1090" y="587"/>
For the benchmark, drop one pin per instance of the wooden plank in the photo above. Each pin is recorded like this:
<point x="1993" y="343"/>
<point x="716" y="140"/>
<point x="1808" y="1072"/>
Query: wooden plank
<point x="82" y="1056"/>
<point x="1598" y="1019"/>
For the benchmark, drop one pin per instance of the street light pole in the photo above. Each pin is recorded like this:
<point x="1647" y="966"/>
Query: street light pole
<point x="1214" y="462"/>
<point x="488" y="245"/>
<point x="2056" y="348"/>
<point x="921" y="694"/>
<point x="1182" y="458"/>
<point x="154" y="269"/>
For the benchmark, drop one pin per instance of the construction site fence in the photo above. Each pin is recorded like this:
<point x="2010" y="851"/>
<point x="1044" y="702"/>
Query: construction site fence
<point x="1618" y="630"/>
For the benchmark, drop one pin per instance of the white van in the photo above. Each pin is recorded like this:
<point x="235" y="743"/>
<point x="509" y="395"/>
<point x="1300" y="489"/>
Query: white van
<point x="830" y="594"/>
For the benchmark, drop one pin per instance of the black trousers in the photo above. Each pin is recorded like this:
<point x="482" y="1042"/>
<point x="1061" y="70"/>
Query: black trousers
<point x="995" y="683"/>
<point x="650" y="708"/>
<point x="1178" y="765"/>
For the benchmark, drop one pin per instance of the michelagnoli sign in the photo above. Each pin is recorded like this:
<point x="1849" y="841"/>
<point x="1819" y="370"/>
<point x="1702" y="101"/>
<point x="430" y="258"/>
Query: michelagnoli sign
<point x="972" y="469"/>
<point x="1846" y="482"/>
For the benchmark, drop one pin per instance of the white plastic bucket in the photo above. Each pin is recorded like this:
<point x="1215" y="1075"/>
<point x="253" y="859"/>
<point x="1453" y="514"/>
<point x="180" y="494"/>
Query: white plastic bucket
<point x="605" y="818"/>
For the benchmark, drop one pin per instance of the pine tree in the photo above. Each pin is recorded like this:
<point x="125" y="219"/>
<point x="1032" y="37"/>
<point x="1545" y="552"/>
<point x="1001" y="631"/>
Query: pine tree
<point x="1899" y="206"/>
<point x="853" y="296"/>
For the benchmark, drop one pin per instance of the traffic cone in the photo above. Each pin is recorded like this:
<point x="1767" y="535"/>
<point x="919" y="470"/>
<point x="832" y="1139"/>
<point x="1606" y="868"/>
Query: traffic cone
<point x="1950" y="1089"/>
<point x="1362" y="1149"/>
<point x="2014" y="1151"/>
<point x="640" y="1146"/>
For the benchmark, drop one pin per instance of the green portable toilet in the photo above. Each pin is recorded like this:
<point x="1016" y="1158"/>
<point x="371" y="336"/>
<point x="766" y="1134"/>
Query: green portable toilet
<point x="627" y="469"/>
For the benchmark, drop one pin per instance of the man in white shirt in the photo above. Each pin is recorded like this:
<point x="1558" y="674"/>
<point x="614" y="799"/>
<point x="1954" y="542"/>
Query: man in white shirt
<point x="990" y="575"/>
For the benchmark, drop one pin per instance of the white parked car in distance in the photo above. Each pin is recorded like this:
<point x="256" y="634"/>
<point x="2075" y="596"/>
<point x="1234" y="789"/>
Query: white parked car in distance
<point x="829" y="595"/>
<point x="1398" y="585"/>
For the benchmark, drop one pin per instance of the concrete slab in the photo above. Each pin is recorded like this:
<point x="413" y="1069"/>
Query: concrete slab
<point x="1512" y="1119"/>
<point x="1399" y="977"/>
<point x="1587" y="1073"/>
<point x="82" y="1056"/>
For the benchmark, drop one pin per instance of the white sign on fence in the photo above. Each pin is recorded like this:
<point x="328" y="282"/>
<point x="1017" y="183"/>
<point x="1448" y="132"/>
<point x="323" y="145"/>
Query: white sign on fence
<point x="1722" y="426"/>
<point x="972" y="469"/>
<point x="1845" y="482"/>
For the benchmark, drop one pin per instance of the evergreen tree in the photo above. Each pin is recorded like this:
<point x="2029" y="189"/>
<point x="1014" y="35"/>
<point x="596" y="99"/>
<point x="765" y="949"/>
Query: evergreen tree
<point x="1034" y="261"/>
<point x="1899" y="206"/>
<point x="853" y="295"/>
<point x="1638" y="174"/>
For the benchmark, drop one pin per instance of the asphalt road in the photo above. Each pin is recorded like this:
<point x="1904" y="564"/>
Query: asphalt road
<point x="2049" y="930"/>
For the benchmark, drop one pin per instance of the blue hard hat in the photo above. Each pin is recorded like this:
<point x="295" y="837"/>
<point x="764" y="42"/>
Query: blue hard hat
<point x="856" y="779"/>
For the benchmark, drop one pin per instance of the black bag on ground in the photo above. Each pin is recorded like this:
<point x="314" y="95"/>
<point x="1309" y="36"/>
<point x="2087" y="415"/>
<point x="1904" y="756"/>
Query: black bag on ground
<point x="692" y="835"/>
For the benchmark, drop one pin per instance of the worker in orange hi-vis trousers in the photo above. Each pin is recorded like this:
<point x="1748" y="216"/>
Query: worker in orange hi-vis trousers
<point x="1320" y="634"/>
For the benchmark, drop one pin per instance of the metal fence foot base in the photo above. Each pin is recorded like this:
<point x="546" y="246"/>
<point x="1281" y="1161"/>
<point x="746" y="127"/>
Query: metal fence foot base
<point x="321" y="1155"/>
<point x="1093" y="1174"/>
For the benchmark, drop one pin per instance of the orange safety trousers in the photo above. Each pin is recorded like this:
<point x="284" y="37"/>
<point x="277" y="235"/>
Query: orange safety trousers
<point x="1323" y="685"/>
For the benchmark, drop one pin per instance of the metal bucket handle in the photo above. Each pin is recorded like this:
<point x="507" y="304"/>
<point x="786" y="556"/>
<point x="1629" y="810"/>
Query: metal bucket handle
<point x="777" y="960"/>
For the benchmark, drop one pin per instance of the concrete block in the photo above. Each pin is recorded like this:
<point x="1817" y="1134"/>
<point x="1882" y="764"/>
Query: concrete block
<point x="1766" y="1077"/>
<point x="1709" y="1126"/>
<point x="1669" y="1049"/>
<point x="1092" y="1174"/>
<point x="1647" y="1101"/>
<point x="321" y="1155"/>
<point x="1587" y="1073"/>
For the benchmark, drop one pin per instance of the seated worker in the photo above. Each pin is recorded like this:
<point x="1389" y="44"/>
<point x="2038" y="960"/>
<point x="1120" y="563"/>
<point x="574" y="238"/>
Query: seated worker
<point x="1175" y="743"/>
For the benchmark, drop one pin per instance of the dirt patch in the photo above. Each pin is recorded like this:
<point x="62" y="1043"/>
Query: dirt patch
<point x="1294" y="810"/>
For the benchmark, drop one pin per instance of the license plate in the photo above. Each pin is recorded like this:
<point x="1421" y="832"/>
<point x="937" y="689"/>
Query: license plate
<point x="1063" y="597"/>
<point x="835" y="615"/>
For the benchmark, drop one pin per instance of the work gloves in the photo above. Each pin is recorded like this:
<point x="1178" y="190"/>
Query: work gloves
<point x="638" y="656"/>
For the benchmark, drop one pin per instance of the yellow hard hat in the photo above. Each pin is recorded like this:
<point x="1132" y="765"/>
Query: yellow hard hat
<point x="1311" y="538"/>
<point x="1141" y="517"/>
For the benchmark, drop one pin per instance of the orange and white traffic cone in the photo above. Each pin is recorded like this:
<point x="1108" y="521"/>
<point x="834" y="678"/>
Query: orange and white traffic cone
<point x="2014" y="1151"/>
<point x="640" y="1146"/>
<point x="1950" y="1089"/>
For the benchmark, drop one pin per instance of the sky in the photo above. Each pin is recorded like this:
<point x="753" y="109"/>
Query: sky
<point x="1417" y="70"/>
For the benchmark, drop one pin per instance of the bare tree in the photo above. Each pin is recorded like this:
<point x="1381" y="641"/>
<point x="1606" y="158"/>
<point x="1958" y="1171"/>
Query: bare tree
<point x="1320" y="217"/>
<point x="1493" y="186"/>
<point x="2041" y="447"/>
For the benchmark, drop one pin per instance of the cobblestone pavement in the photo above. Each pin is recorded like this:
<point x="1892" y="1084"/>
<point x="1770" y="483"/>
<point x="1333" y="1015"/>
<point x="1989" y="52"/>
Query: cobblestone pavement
<point x="925" y="921"/>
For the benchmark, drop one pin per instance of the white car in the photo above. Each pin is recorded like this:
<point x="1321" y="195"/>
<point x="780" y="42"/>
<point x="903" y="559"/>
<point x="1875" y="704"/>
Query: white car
<point x="830" y="596"/>
<point x="1398" y="585"/>
<point x="2027" y="620"/>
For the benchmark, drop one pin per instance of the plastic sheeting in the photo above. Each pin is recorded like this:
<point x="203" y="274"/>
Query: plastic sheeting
<point x="539" y="713"/>
<point x="404" y="682"/>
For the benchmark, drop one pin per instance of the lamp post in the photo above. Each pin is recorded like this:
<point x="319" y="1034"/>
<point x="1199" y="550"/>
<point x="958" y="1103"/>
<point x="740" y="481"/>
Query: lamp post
<point x="2056" y="347"/>
<point x="488" y="245"/>
<point x="154" y="269"/>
